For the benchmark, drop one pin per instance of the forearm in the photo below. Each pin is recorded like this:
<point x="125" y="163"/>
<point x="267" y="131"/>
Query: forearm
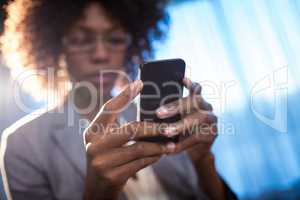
<point x="209" y="180"/>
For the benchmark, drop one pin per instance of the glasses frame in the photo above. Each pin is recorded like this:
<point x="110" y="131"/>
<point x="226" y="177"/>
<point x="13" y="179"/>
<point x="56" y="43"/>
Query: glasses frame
<point x="98" y="38"/>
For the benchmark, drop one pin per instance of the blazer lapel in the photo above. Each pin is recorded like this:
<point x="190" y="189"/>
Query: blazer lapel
<point x="69" y="139"/>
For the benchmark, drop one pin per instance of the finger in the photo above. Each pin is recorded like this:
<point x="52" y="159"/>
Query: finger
<point x="130" y="131"/>
<point x="124" y="155"/>
<point x="124" y="172"/>
<point x="194" y="87"/>
<point x="196" y="90"/>
<point x="191" y="123"/>
<point x="198" y="149"/>
<point x="194" y="140"/>
<point x="183" y="106"/>
<point x="110" y="110"/>
<point x="114" y="106"/>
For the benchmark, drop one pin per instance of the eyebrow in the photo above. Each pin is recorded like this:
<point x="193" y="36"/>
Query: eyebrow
<point x="90" y="30"/>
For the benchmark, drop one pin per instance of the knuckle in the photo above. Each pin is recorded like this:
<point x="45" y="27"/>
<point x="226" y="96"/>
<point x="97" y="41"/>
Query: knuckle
<point x="94" y="164"/>
<point x="210" y="138"/>
<point x="157" y="149"/>
<point x="132" y="125"/>
<point x="97" y="166"/>
<point x="209" y="117"/>
<point x="132" y="151"/>
<point x="110" y="179"/>
<point x="199" y="117"/>
<point x="91" y="150"/>
<point x="199" y="100"/>
<point x="209" y="107"/>
<point x="140" y="148"/>
<point x="93" y="129"/>
<point x="191" y="103"/>
<point x="88" y="135"/>
<point x="214" y="118"/>
<point x="143" y="162"/>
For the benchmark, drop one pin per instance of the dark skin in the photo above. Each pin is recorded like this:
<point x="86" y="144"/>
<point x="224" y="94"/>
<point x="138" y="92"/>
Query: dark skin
<point x="110" y="162"/>
<point x="195" y="110"/>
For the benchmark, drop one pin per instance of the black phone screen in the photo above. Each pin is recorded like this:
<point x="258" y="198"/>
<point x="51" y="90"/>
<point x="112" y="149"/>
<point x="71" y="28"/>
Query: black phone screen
<point x="163" y="83"/>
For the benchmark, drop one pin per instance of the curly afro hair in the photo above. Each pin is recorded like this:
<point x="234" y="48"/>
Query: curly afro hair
<point x="34" y="29"/>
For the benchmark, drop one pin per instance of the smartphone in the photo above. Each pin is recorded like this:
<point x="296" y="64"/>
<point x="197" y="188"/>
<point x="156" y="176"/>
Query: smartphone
<point x="163" y="83"/>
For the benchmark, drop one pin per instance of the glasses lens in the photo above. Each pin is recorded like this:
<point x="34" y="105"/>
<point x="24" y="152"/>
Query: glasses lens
<point x="118" y="42"/>
<point x="85" y="42"/>
<point x="79" y="42"/>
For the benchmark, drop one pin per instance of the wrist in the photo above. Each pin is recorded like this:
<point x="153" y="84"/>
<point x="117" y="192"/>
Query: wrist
<point x="207" y="159"/>
<point x="95" y="190"/>
<point x="205" y="167"/>
<point x="208" y="178"/>
<point x="97" y="195"/>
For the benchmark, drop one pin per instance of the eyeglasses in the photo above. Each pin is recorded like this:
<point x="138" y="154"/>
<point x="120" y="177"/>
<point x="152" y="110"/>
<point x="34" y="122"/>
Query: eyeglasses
<point x="85" y="42"/>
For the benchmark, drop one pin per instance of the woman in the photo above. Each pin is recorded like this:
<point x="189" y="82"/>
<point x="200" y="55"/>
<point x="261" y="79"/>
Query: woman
<point x="44" y="155"/>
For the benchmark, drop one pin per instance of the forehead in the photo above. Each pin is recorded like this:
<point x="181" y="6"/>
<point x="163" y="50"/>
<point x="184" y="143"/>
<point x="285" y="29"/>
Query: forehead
<point x="96" y="19"/>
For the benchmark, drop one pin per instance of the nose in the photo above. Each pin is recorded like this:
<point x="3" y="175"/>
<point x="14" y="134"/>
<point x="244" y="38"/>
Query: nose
<point x="100" y="52"/>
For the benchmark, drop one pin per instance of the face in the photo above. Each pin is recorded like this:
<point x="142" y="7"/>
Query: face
<point x="94" y="47"/>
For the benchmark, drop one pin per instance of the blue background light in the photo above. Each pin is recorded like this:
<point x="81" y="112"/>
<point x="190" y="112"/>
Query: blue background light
<point x="252" y="47"/>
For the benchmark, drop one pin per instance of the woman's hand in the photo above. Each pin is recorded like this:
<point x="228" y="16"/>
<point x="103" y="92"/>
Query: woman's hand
<point x="110" y="163"/>
<point x="198" y="130"/>
<point x="198" y="126"/>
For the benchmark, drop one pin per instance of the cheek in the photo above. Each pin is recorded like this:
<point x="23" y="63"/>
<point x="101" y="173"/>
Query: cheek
<point x="76" y="63"/>
<point x="118" y="58"/>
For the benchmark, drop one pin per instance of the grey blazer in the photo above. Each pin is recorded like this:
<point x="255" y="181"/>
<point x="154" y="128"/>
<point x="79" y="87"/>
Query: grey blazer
<point x="43" y="158"/>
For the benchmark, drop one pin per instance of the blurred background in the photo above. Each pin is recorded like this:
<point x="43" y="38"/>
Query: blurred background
<point x="244" y="53"/>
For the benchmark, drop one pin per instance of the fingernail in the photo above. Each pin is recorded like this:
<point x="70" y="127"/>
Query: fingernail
<point x="162" y="110"/>
<point x="170" y="131"/>
<point x="171" y="147"/>
<point x="137" y="85"/>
